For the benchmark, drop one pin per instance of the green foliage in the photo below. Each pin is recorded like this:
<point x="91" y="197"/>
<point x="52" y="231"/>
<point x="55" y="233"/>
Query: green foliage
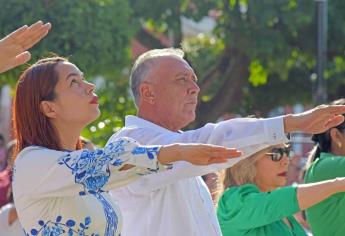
<point x="258" y="75"/>
<point x="93" y="34"/>
<point x="279" y="37"/>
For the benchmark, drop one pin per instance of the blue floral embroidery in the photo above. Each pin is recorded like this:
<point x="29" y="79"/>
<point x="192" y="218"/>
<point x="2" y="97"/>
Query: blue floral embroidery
<point x="57" y="228"/>
<point x="150" y="151"/>
<point x="92" y="170"/>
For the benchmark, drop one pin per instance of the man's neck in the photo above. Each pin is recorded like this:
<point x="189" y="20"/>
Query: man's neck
<point x="158" y="121"/>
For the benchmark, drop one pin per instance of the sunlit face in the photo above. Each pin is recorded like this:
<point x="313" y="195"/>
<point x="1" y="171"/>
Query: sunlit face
<point x="75" y="102"/>
<point x="271" y="174"/>
<point x="175" y="89"/>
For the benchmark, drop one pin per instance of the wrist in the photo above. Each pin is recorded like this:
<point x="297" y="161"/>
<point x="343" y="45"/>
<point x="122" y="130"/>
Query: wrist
<point x="169" y="153"/>
<point x="290" y="123"/>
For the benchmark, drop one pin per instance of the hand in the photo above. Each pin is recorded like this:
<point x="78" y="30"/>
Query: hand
<point x="197" y="154"/>
<point x="316" y="120"/>
<point x="13" y="47"/>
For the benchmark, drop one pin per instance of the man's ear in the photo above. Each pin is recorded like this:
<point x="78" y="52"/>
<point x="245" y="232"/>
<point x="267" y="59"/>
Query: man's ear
<point x="147" y="93"/>
<point x="48" y="110"/>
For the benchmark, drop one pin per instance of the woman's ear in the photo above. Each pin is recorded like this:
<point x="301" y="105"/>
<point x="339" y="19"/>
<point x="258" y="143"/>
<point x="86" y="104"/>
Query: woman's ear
<point x="48" y="110"/>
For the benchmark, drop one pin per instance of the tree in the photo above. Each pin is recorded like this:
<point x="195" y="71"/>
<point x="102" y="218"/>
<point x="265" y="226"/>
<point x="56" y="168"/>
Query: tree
<point x="93" y="34"/>
<point x="263" y="55"/>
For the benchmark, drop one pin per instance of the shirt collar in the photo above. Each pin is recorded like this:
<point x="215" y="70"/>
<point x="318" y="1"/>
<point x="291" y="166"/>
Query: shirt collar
<point x="136" y="121"/>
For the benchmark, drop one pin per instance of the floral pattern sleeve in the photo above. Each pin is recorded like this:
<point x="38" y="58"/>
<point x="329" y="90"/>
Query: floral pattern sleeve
<point x="65" y="193"/>
<point x="84" y="171"/>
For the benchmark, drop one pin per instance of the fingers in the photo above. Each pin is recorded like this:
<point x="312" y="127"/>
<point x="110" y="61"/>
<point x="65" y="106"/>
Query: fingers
<point x="32" y="29"/>
<point x="16" y="61"/>
<point x="334" y="121"/>
<point x="36" y="26"/>
<point x="34" y="34"/>
<point x="336" y="109"/>
<point x="224" y="152"/>
<point x="218" y="154"/>
<point x="15" y="34"/>
<point x="39" y="34"/>
<point x="22" y="58"/>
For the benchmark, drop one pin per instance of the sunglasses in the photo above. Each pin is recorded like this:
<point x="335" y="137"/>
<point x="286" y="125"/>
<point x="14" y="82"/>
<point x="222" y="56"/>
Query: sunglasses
<point x="278" y="153"/>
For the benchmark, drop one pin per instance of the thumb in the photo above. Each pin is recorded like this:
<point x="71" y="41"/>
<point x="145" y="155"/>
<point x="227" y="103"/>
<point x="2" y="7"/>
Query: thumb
<point x="334" y="121"/>
<point x="22" y="58"/>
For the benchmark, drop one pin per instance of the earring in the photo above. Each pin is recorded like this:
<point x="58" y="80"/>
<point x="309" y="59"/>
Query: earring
<point x="340" y="145"/>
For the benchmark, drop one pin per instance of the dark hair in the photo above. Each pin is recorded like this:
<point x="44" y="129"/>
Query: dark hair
<point x="323" y="140"/>
<point x="31" y="126"/>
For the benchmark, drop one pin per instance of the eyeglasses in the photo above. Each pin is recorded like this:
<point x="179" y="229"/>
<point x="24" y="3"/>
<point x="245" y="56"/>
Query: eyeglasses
<point x="278" y="153"/>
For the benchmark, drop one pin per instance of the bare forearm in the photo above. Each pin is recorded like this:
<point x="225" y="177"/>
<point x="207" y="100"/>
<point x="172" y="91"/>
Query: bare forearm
<point x="311" y="194"/>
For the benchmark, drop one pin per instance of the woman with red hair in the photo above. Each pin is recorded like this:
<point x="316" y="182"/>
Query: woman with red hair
<point x="61" y="189"/>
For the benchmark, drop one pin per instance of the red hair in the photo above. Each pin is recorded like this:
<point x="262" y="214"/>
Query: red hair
<point x="31" y="126"/>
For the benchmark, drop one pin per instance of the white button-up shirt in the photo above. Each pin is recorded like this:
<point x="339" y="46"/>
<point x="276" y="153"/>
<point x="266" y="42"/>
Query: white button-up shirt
<point x="177" y="202"/>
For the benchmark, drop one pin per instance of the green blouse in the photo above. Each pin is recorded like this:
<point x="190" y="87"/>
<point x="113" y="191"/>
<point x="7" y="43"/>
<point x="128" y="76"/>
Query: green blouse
<point x="327" y="217"/>
<point x="244" y="210"/>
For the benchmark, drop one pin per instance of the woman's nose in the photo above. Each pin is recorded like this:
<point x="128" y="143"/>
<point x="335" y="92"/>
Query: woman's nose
<point x="90" y="87"/>
<point x="285" y="160"/>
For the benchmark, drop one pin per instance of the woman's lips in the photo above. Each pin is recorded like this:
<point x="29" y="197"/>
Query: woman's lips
<point x="94" y="100"/>
<point x="282" y="174"/>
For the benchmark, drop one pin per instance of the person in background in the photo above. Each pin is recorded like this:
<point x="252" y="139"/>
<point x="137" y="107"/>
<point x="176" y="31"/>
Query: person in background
<point x="5" y="172"/>
<point x="3" y="156"/>
<point x="213" y="184"/>
<point x="327" y="161"/>
<point x="257" y="202"/>
<point x="9" y="223"/>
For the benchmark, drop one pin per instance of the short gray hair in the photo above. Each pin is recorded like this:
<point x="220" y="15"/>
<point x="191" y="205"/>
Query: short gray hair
<point x="144" y="63"/>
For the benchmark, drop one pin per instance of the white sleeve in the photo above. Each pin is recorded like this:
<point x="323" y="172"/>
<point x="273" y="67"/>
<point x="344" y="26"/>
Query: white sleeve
<point x="247" y="134"/>
<point x="42" y="172"/>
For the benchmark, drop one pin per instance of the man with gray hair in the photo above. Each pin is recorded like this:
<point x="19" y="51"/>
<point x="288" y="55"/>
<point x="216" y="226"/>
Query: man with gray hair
<point x="177" y="202"/>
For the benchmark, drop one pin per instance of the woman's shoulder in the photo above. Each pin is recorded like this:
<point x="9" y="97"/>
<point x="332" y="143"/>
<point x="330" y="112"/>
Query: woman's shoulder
<point x="36" y="155"/>
<point x="35" y="150"/>
<point x="326" y="167"/>
<point x="239" y="191"/>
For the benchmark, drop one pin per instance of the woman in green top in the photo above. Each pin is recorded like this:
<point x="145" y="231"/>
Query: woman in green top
<point x="257" y="203"/>
<point x="327" y="161"/>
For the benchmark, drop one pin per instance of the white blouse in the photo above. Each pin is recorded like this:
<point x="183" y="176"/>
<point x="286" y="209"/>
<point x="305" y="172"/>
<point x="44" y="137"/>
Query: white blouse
<point x="65" y="193"/>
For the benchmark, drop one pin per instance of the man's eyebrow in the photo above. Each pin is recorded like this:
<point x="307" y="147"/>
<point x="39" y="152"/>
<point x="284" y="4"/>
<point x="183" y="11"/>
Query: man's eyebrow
<point x="181" y="73"/>
<point x="186" y="74"/>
